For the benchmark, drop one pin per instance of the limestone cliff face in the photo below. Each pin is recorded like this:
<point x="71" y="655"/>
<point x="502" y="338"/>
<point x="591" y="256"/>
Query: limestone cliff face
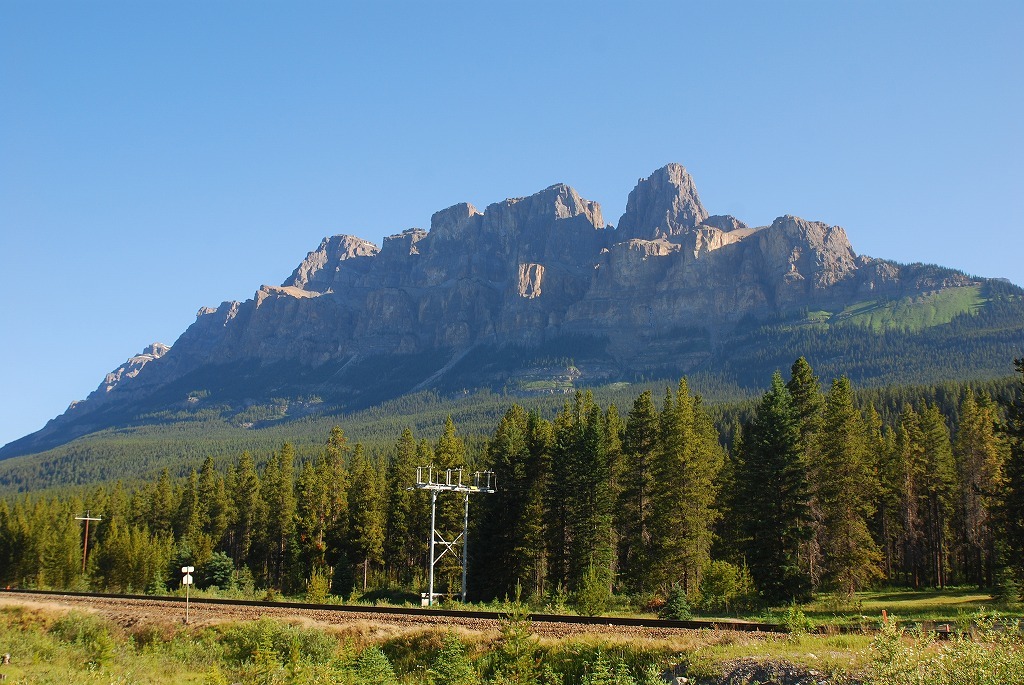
<point x="521" y="273"/>
<point x="131" y="368"/>
<point x="663" y="205"/>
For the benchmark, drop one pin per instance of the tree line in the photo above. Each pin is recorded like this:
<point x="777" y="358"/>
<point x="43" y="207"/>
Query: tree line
<point x="813" y="492"/>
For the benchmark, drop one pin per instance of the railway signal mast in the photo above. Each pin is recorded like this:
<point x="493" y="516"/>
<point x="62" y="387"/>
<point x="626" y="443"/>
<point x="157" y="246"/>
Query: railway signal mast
<point x="450" y="480"/>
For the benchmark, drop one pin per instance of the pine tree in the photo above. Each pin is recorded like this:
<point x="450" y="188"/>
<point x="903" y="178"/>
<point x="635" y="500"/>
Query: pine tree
<point x="366" y="513"/>
<point x="249" y="510"/>
<point x="887" y="521"/>
<point x="512" y="521"/>
<point x="62" y="547"/>
<point x="406" y="525"/>
<point x="579" y="497"/>
<point x="335" y="474"/>
<point x="910" y="461"/>
<point x="808" y="402"/>
<point x="213" y="502"/>
<point x="688" y="462"/>
<point x="279" y="497"/>
<point x="1012" y="505"/>
<point x="847" y="489"/>
<point x="633" y="520"/>
<point x="979" y="466"/>
<point x="449" y="453"/>
<point x="311" y="517"/>
<point x="162" y="506"/>
<point x="805" y="389"/>
<point x="939" y="487"/>
<point x="774" y="498"/>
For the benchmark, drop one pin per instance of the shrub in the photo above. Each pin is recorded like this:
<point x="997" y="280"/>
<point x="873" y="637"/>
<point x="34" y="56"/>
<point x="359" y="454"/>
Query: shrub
<point x="591" y="599"/>
<point x="993" y="655"/>
<point x="269" y="640"/>
<point x="795" y="621"/>
<point x="373" y="668"/>
<point x="677" y="606"/>
<point x="88" y="632"/>
<point x="723" y="587"/>
<point x="603" y="672"/>
<point x="451" y="665"/>
<point x="317" y="587"/>
<point x="517" y="658"/>
<point x="219" y="571"/>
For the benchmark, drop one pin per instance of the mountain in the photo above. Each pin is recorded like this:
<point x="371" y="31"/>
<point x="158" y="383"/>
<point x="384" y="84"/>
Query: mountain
<point x="539" y="294"/>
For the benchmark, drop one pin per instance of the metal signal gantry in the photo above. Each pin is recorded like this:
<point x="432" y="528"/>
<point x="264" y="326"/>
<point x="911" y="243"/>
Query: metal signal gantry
<point x="450" y="480"/>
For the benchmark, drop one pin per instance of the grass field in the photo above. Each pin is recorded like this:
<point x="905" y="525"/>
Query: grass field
<point x="53" y="645"/>
<point x="911" y="313"/>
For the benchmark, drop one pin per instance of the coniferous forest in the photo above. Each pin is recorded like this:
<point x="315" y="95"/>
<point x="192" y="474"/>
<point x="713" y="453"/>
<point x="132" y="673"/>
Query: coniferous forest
<point x="812" y="489"/>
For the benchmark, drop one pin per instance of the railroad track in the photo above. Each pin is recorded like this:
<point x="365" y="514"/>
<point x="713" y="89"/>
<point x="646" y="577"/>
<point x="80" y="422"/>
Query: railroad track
<point x="430" y="615"/>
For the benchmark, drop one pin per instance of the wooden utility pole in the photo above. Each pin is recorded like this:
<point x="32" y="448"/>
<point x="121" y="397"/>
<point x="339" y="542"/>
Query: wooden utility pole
<point x="85" y="545"/>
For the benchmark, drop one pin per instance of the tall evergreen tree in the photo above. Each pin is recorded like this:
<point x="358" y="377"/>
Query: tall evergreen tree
<point x="512" y="520"/>
<point x="633" y="512"/>
<point x="279" y="497"/>
<point x="312" y="514"/>
<point x="1012" y="505"/>
<point x="407" y="519"/>
<point x="847" y="490"/>
<point x="686" y="472"/>
<point x="979" y="466"/>
<point x="887" y="521"/>
<point x="939" y="488"/>
<point x="366" y="513"/>
<point x="249" y="511"/>
<point x="162" y="506"/>
<point x="449" y="453"/>
<point x="809" y="403"/>
<point x="579" y="498"/>
<point x="911" y="469"/>
<point x="335" y="472"/>
<point x="774" y="501"/>
<point x="213" y="502"/>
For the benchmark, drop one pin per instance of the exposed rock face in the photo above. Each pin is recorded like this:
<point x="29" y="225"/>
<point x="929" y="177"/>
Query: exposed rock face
<point x="132" y="367"/>
<point x="661" y="206"/>
<point x="724" y="222"/>
<point x="523" y="273"/>
<point x="530" y="269"/>
<point x="123" y="375"/>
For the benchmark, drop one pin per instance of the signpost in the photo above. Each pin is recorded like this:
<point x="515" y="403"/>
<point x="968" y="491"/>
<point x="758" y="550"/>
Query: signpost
<point x="187" y="572"/>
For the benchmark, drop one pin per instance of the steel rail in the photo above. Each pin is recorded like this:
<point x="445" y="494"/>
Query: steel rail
<point x="626" y="622"/>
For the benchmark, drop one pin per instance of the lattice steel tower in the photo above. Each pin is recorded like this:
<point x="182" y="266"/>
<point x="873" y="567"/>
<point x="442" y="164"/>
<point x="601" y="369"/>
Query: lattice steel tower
<point x="450" y="480"/>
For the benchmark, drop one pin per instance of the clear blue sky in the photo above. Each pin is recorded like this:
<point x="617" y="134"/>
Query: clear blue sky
<point x="156" y="157"/>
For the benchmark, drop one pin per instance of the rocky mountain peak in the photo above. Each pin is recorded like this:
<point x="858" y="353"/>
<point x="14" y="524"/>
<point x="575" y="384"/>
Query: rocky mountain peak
<point x="663" y="205"/>
<point x="797" y="249"/>
<point x="131" y="368"/>
<point x="318" y="270"/>
<point x="539" y="211"/>
<point x="403" y="244"/>
<point x="724" y="222"/>
<point x="454" y="222"/>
